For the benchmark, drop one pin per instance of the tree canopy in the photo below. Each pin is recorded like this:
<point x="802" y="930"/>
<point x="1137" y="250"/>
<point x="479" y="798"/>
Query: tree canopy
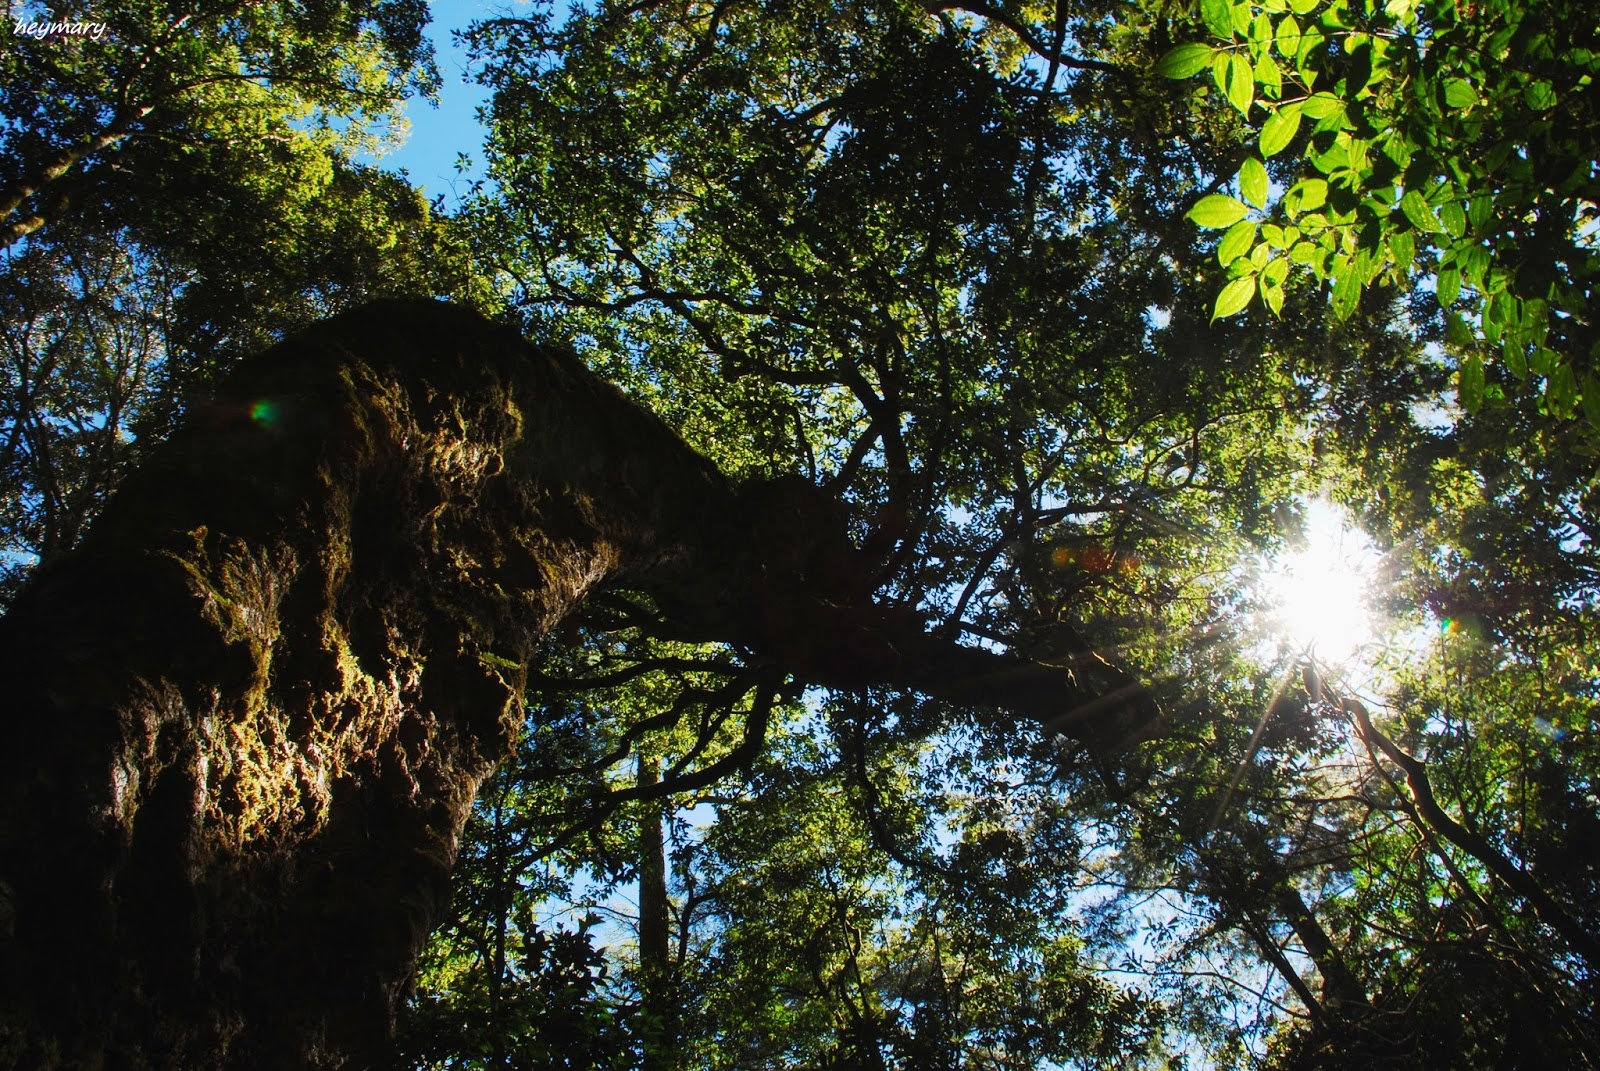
<point x="1025" y="334"/>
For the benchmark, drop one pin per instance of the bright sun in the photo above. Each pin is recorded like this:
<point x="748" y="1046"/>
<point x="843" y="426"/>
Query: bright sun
<point x="1318" y="593"/>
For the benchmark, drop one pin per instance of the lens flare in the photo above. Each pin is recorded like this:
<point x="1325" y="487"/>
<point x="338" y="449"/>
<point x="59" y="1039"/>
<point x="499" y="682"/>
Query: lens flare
<point x="1318" y="593"/>
<point x="265" y="412"/>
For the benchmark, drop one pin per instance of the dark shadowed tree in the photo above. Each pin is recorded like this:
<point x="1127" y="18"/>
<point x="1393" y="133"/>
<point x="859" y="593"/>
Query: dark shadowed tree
<point x="260" y="697"/>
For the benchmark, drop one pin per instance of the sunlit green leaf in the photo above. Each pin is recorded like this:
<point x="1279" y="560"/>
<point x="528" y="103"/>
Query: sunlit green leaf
<point x="1241" y="83"/>
<point x="1307" y="195"/>
<point x="1402" y="245"/>
<point x="1312" y="41"/>
<point x="1272" y="295"/>
<point x="1287" y="37"/>
<point x="1241" y="16"/>
<point x="1253" y="182"/>
<point x="1218" y="210"/>
<point x="1185" y="61"/>
<point x="1234" y="297"/>
<point x="1279" y="129"/>
<point x="1218" y="17"/>
<point x="1269" y="77"/>
<point x="1237" y="242"/>
<point x="1346" y="291"/>
<point x="1417" y="211"/>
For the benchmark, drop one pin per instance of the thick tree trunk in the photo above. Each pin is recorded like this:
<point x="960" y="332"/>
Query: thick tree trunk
<point x="245" y="721"/>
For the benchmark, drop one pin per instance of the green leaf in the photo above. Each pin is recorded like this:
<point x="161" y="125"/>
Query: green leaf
<point x="1458" y="93"/>
<point x="1403" y="247"/>
<point x="1279" y="129"/>
<point x="1457" y="334"/>
<point x="1476" y="263"/>
<point x="1448" y="287"/>
<point x="1307" y="195"/>
<point x="1336" y="16"/>
<point x="1417" y="211"/>
<point x="1322" y="105"/>
<point x="1470" y="382"/>
<point x="1454" y="218"/>
<point x="1185" y="61"/>
<point x="1234" y="297"/>
<point x="1540" y="95"/>
<point x="1591" y="399"/>
<point x="1515" y="359"/>
<point x="1560" y="391"/>
<point x="1218" y="17"/>
<point x="1269" y="77"/>
<point x="1311" y="42"/>
<point x="1478" y="210"/>
<point x="1259" y="35"/>
<point x="1239" y="15"/>
<point x="1303" y="7"/>
<point x="1217" y="210"/>
<point x="1346" y="291"/>
<point x="1287" y="37"/>
<point x="1535" y="321"/>
<point x="1237" y="242"/>
<point x="1241" y="83"/>
<point x="1253" y="182"/>
<point x="1272" y="294"/>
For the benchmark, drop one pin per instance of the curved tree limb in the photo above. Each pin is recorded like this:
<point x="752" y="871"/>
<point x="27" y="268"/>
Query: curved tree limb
<point x="1519" y="881"/>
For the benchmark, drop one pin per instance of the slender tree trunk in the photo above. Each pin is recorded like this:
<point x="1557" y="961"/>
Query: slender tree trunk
<point x="657" y="991"/>
<point x="244" y="722"/>
<point x="1342" y="992"/>
<point x="501" y="899"/>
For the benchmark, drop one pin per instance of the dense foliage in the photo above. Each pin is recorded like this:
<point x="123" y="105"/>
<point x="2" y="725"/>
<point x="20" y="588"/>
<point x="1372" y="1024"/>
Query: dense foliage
<point x="940" y="262"/>
<point x="1451" y="141"/>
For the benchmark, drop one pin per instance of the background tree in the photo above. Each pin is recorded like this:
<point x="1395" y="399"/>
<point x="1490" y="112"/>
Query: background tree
<point x="178" y="194"/>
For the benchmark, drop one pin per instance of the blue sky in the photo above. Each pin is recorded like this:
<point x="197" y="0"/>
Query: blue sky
<point x="439" y="134"/>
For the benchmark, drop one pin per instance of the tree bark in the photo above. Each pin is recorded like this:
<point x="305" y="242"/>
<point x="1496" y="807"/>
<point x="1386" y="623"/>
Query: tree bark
<point x="658" y="999"/>
<point x="246" y="719"/>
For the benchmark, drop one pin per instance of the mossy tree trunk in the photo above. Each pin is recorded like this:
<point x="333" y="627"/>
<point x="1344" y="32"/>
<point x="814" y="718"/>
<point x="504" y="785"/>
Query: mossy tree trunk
<point x="245" y="721"/>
